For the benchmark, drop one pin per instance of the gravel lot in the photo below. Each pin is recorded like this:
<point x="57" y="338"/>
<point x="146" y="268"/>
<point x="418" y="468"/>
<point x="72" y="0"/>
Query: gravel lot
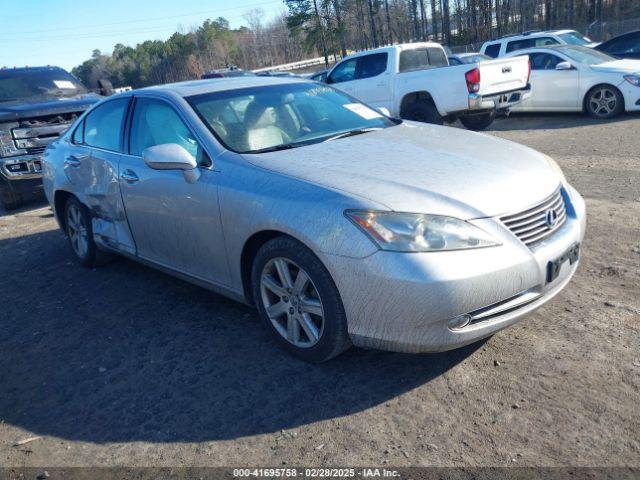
<point x="127" y="366"/>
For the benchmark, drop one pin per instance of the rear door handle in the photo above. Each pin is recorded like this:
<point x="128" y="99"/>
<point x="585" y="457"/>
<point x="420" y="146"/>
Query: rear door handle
<point x="129" y="176"/>
<point x="75" y="159"/>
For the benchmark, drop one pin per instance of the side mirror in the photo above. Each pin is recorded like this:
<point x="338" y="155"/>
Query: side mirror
<point x="564" y="66"/>
<point x="384" y="111"/>
<point x="171" y="156"/>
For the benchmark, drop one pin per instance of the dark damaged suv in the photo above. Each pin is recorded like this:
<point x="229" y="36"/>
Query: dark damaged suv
<point x="37" y="104"/>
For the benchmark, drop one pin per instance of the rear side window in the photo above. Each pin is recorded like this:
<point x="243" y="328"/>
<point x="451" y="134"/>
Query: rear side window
<point x="372" y="65"/>
<point x="492" y="50"/>
<point x="545" y="41"/>
<point x="422" y="58"/>
<point x="103" y="126"/>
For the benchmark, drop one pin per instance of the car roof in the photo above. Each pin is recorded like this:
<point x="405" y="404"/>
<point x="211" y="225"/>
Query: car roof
<point x="519" y="36"/>
<point x="30" y="69"/>
<point x="197" y="87"/>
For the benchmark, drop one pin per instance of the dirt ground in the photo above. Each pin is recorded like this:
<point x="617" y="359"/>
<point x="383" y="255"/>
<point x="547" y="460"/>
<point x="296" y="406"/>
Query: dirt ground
<point x="127" y="366"/>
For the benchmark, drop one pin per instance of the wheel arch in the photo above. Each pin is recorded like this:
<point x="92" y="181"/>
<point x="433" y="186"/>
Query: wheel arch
<point x="60" y="199"/>
<point x="597" y="85"/>
<point x="412" y="97"/>
<point x="249" y="251"/>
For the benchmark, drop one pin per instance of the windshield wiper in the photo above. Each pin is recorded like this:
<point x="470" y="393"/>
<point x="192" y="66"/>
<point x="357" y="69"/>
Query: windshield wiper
<point x="275" y="148"/>
<point x="351" y="133"/>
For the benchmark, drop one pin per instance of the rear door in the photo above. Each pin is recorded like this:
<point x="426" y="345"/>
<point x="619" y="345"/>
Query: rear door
<point x="92" y="167"/>
<point x="503" y="74"/>
<point x="176" y="224"/>
<point x="373" y="80"/>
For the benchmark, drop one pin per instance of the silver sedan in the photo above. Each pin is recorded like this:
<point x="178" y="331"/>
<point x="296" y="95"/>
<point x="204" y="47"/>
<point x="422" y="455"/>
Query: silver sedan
<point x="341" y="225"/>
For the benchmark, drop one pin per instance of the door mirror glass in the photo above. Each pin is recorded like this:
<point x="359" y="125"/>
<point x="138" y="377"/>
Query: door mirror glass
<point x="171" y="156"/>
<point x="564" y="66"/>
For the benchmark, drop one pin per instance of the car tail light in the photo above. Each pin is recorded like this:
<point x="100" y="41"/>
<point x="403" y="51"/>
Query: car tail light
<point x="473" y="80"/>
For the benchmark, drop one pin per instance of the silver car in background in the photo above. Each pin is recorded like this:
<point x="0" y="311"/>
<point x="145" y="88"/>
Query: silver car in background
<point x="341" y="225"/>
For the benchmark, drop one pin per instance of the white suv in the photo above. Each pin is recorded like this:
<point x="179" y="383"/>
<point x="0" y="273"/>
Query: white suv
<point x="535" y="38"/>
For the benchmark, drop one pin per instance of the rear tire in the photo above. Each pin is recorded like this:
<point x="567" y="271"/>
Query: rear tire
<point x="77" y="222"/>
<point x="478" y="122"/>
<point x="306" y="316"/>
<point x="423" y="111"/>
<point x="604" y="101"/>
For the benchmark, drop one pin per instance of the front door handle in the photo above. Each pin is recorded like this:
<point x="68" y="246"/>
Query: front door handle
<point x="75" y="160"/>
<point x="129" y="176"/>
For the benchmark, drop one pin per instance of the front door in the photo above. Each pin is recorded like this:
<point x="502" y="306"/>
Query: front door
<point x="553" y="89"/>
<point x="175" y="224"/>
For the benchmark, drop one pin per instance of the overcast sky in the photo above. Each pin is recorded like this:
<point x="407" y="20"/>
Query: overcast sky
<point x="65" y="32"/>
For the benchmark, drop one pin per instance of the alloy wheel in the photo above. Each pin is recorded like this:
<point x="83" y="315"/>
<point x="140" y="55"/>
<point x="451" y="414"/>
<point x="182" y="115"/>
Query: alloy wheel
<point x="603" y="102"/>
<point x="292" y="302"/>
<point x="77" y="231"/>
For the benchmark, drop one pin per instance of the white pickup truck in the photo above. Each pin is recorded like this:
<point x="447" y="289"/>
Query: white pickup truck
<point x="407" y="81"/>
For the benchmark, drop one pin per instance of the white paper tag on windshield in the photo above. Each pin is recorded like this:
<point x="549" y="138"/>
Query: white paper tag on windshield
<point x="362" y="110"/>
<point x="65" y="84"/>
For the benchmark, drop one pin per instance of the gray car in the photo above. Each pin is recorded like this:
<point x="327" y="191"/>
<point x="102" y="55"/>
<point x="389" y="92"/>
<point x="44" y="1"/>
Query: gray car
<point x="341" y="225"/>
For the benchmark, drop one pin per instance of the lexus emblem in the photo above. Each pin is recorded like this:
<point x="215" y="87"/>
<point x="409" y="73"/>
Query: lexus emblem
<point x="551" y="217"/>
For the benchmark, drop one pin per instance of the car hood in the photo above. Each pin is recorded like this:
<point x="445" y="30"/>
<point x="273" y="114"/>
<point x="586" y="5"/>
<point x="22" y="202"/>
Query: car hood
<point x="618" y="66"/>
<point x="37" y="106"/>
<point x="424" y="168"/>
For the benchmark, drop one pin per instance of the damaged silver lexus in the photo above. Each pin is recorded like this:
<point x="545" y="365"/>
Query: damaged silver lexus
<point x="341" y="225"/>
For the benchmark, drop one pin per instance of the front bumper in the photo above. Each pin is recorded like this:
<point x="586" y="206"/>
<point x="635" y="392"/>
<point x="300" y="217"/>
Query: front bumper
<point x="404" y="301"/>
<point x="500" y="101"/>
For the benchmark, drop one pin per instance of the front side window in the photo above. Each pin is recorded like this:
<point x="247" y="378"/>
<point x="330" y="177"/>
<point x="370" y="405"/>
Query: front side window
<point x="544" y="61"/>
<point x="103" y="125"/>
<point x="520" y="44"/>
<point x="372" y="65"/>
<point x="344" y="72"/>
<point x="492" y="50"/>
<point x="155" y="122"/>
<point x="545" y="41"/>
<point x="275" y="117"/>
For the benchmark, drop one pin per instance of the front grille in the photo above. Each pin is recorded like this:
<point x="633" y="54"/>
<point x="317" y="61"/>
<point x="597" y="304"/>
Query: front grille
<point x="538" y="222"/>
<point x="33" y="135"/>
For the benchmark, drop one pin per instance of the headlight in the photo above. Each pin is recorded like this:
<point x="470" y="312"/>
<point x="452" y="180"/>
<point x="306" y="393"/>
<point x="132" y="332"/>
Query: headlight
<point x="416" y="232"/>
<point x="555" y="167"/>
<point x="633" y="80"/>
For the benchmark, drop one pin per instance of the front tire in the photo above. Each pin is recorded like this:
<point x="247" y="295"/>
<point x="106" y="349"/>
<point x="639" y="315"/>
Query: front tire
<point x="298" y="300"/>
<point x="604" y="101"/>
<point x="478" y="122"/>
<point x="423" y="111"/>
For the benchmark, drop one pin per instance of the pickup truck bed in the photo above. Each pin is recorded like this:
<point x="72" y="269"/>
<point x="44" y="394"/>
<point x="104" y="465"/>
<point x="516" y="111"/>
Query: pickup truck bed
<point x="416" y="78"/>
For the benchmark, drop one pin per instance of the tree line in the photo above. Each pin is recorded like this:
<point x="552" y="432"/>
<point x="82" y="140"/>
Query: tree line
<point x="335" y="27"/>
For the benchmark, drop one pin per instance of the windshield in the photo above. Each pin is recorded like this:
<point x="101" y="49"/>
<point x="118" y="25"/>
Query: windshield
<point x="586" y="56"/>
<point x="25" y="83"/>
<point x="574" y="38"/>
<point x="274" y="117"/>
